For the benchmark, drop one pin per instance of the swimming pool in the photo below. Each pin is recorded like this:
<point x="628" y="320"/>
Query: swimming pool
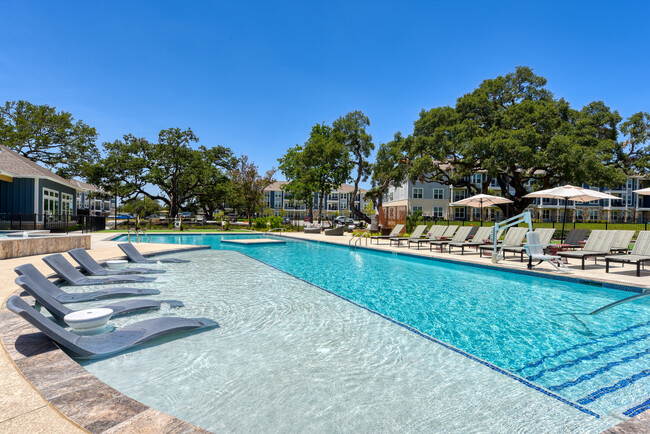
<point x="535" y="327"/>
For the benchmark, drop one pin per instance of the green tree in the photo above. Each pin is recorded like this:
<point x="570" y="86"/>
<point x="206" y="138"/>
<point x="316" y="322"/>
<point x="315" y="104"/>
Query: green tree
<point x="390" y="168"/>
<point x="215" y="185"/>
<point x="512" y="129"/>
<point x="48" y="137"/>
<point x="350" y="131"/>
<point x="142" y="207"/>
<point x="634" y="153"/>
<point x="301" y="176"/>
<point x="248" y="187"/>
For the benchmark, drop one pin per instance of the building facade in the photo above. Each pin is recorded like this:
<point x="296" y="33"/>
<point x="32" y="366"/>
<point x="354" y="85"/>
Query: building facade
<point x="433" y="199"/>
<point x="336" y="203"/>
<point x="91" y="200"/>
<point x="33" y="192"/>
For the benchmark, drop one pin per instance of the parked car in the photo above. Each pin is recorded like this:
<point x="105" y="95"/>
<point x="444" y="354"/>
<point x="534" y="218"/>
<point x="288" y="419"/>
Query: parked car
<point x="125" y="217"/>
<point x="340" y="220"/>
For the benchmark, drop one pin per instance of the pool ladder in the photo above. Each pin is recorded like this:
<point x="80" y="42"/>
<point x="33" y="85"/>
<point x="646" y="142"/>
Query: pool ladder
<point x="357" y="239"/>
<point x="139" y="235"/>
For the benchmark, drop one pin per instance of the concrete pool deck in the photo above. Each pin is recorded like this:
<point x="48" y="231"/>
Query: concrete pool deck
<point x="23" y="408"/>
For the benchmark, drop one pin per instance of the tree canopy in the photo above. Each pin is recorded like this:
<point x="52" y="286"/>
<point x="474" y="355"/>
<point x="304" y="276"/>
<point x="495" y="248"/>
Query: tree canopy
<point x="512" y="129"/>
<point x="49" y="137"/>
<point x="248" y="187"/>
<point x="390" y="168"/>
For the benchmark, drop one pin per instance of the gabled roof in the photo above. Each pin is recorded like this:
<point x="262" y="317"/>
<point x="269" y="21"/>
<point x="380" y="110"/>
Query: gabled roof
<point x="16" y="166"/>
<point x="80" y="185"/>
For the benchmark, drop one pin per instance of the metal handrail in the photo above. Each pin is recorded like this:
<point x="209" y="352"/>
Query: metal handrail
<point x="128" y="234"/>
<point x="352" y="239"/>
<point x="143" y="233"/>
<point x="362" y="235"/>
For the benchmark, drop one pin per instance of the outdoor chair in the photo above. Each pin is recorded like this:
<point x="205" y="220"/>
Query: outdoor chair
<point x="544" y="235"/>
<point x="535" y="250"/>
<point x="513" y="238"/>
<point x="415" y="235"/>
<point x="39" y="281"/>
<point x="74" y="277"/>
<point x="598" y="244"/>
<point x="481" y="234"/>
<point x="339" y="230"/>
<point x="59" y="311"/>
<point x="395" y="232"/>
<point x="435" y="232"/>
<point x="461" y="235"/>
<point x="108" y="343"/>
<point x="134" y="256"/>
<point x="92" y="267"/>
<point x="575" y="236"/>
<point x="640" y="253"/>
<point x="622" y="241"/>
<point x="313" y="230"/>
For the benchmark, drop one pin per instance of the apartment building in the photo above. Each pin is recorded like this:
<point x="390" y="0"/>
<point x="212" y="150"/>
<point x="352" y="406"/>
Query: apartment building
<point x="433" y="200"/>
<point x="336" y="203"/>
<point x="90" y="201"/>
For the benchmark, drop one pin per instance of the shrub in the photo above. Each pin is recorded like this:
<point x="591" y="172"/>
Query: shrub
<point x="276" y="221"/>
<point x="259" y="223"/>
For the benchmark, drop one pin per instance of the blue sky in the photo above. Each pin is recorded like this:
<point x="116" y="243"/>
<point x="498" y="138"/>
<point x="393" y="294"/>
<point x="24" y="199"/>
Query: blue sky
<point x="255" y="76"/>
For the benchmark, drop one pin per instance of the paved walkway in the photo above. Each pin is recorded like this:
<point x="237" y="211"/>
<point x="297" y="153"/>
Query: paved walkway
<point x="22" y="408"/>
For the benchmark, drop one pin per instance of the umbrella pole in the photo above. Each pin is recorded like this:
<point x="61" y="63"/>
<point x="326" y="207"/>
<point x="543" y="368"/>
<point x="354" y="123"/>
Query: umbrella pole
<point x="481" y="212"/>
<point x="566" y="202"/>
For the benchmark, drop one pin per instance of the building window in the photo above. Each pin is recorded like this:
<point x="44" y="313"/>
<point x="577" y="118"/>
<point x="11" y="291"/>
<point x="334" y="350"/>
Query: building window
<point x="477" y="179"/>
<point x="50" y="202"/>
<point x="593" y="215"/>
<point x="476" y="213"/>
<point x="459" y="195"/>
<point x="416" y="209"/>
<point x="546" y="214"/>
<point x="277" y="199"/>
<point x="628" y="199"/>
<point x="344" y="205"/>
<point x="459" y="213"/>
<point x="66" y="204"/>
<point x="390" y="196"/>
<point x="437" y="212"/>
<point x="438" y="193"/>
<point x="418" y="193"/>
<point x="333" y="196"/>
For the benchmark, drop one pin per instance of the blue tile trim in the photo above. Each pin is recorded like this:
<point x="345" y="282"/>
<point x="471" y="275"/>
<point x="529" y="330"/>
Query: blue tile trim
<point x="637" y="409"/>
<point x="444" y="344"/>
<point x="618" y="386"/>
<point x="605" y="350"/>
<point x="584" y="344"/>
<point x="600" y="370"/>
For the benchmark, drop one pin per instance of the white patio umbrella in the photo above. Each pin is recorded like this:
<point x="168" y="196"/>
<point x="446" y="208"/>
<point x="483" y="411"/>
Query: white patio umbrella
<point x="573" y="193"/>
<point x="643" y="191"/>
<point x="479" y="200"/>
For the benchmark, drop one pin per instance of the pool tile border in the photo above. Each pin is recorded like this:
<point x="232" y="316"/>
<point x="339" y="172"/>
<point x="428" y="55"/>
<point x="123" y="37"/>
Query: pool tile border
<point x="444" y="344"/>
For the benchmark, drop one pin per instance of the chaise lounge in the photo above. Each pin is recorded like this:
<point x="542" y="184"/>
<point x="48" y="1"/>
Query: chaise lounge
<point x="74" y="277"/>
<point x="134" y="256"/>
<point x="59" y="311"/>
<point x="337" y="231"/>
<point x="108" y="343"/>
<point x="640" y="253"/>
<point x="395" y="232"/>
<point x="415" y="235"/>
<point x="598" y="244"/>
<point x="92" y="267"/>
<point x="39" y="280"/>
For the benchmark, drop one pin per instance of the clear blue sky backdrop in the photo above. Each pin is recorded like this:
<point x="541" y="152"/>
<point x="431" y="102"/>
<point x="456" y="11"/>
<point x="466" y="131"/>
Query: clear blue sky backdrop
<point x="255" y="76"/>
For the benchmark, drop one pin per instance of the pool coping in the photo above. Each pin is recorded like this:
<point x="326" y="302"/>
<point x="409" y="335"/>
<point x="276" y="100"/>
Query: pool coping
<point x="44" y="357"/>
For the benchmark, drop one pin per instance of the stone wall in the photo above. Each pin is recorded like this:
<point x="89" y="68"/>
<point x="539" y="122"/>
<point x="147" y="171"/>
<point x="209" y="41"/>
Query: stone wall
<point x="17" y="247"/>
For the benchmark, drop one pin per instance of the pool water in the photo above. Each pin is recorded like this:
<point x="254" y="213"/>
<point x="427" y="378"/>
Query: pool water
<point x="535" y="327"/>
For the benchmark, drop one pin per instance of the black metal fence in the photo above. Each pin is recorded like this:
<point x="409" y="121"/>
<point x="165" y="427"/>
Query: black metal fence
<point x="53" y="223"/>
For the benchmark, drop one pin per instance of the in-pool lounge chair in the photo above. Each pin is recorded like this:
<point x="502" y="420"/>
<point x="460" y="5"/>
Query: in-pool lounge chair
<point x="59" y="311"/>
<point x="37" y="279"/>
<point x="395" y="232"/>
<point x="545" y="235"/>
<point x="339" y="230"/>
<point x="74" y="277"/>
<point x="535" y="250"/>
<point x="134" y="256"/>
<point x="640" y="253"/>
<point x="415" y="235"/>
<point x="598" y="244"/>
<point x="622" y="241"/>
<point x="575" y="236"/>
<point x="435" y="232"/>
<point x="460" y="236"/>
<point x="92" y="267"/>
<point x="482" y="234"/>
<point x="108" y="343"/>
<point x="513" y="238"/>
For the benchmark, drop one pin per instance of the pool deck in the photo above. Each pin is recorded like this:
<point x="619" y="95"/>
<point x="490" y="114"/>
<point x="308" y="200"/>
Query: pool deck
<point x="23" y="408"/>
